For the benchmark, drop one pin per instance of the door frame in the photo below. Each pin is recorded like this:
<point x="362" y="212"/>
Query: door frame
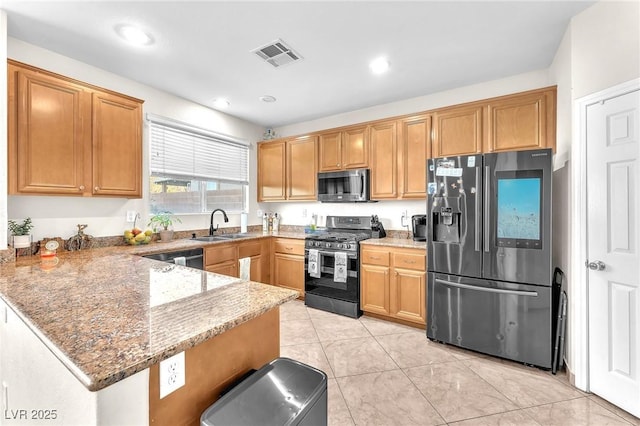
<point x="578" y="333"/>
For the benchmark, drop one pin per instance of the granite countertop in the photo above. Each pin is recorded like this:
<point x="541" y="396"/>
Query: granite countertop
<point x="395" y="242"/>
<point x="108" y="314"/>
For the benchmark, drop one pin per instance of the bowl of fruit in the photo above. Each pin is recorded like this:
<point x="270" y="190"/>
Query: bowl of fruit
<point x="136" y="236"/>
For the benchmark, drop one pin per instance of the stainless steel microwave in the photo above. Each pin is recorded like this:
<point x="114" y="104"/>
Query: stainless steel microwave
<point x="344" y="186"/>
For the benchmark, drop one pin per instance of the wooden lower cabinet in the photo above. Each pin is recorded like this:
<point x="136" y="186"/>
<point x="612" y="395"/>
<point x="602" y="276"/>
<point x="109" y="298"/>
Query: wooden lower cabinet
<point x="224" y="258"/>
<point x="393" y="283"/>
<point x="288" y="264"/>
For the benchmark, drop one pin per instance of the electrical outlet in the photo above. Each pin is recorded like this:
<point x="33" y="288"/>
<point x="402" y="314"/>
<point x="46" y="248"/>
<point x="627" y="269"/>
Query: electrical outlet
<point x="260" y="213"/>
<point x="131" y="215"/>
<point x="172" y="374"/>
<point x="304" y="212"/>
<point x="404" y="219"/>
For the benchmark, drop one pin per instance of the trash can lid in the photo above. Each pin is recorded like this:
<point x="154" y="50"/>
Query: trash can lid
<point x="276" y="394"/>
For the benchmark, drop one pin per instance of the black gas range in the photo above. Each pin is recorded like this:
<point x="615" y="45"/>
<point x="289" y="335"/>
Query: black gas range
<point x="332" y="265"/>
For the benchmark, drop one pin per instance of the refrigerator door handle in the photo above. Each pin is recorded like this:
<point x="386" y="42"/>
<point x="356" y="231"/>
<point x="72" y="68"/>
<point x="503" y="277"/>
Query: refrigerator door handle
<point x="487" y="210"/>
<point x="488" y="290"/>
<point x="478" y="236"/>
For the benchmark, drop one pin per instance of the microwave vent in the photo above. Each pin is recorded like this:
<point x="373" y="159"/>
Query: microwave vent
<point x="277" y="53"/>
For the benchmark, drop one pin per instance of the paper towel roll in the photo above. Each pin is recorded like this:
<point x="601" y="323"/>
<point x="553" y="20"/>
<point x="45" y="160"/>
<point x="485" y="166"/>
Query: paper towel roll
<point x="243" y="222"/>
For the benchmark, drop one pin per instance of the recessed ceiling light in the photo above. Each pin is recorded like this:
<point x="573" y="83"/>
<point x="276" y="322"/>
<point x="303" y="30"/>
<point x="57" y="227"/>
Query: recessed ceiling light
<point x="379" y="66"/>
<point x="267" y="98"/>
<point x="134" y="35"/>
<point x="221" y="103"/>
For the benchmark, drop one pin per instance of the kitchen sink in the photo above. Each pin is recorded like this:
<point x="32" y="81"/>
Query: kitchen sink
<point x="209" y="238"/>
<point x="220" y="237"/>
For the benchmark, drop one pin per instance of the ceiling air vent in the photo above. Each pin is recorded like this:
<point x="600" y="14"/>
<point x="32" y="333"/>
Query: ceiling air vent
<point x="277" y="53"/>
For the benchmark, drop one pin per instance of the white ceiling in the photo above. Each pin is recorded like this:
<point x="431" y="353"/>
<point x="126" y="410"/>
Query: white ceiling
<point x="202" y="49"/>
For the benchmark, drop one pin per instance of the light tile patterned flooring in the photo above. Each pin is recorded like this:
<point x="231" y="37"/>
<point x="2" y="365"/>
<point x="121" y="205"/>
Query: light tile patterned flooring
<point x="382" y="373"/>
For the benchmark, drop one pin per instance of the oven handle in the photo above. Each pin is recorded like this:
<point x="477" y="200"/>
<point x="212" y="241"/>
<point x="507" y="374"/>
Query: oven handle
<point x="488" y="290"/>
<point x="332" y="253"/>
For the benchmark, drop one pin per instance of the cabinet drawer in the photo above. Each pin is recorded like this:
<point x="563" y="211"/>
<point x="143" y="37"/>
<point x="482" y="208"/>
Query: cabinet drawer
<point x="289" y="246"/>
<point x="249" y="249"/>
<point x="375" y="257"/>
<point x="219" y="253"/>
<point x="415" y="261"/>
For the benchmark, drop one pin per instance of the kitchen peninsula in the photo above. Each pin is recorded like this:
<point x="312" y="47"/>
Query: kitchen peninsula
<point x="81" y="338"/>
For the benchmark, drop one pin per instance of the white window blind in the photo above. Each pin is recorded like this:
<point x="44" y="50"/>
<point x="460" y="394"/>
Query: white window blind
<point x="183" y="151"/>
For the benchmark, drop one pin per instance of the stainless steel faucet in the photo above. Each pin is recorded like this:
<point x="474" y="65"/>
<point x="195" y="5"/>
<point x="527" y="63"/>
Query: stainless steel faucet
<point x="211" y="228"/>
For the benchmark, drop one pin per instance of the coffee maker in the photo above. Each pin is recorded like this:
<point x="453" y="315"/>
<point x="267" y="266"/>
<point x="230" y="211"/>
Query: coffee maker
<point x="419" y="223"/>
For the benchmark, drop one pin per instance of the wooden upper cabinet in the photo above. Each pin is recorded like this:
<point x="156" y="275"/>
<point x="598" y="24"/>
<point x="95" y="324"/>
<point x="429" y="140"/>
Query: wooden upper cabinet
<point x="271" y="171"/>
<point x="458" y="131"/>
<point x="301" y="169"/>
<point x="70" y="138"/>
<point x="117" y="147"/>
<point x="287" y="169"/>
<point x="414" y="149"/>
<point x="522" y="121"/>
<point x="344" y="149"/>
<point x="47" y="134"/>
<point x="384" y="160"/>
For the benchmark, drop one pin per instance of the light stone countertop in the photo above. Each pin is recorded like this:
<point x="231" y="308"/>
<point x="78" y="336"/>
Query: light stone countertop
<point x="108" y="314"/>
<point x="395" y="242"/>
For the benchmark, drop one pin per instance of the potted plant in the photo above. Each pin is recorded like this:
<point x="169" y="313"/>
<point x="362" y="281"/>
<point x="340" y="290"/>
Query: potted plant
<point x="21" y="233"/>
<point x="163" y="221"/>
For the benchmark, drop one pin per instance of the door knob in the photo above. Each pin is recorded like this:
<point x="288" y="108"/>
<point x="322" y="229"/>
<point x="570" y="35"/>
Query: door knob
<point x="596" y="266"/>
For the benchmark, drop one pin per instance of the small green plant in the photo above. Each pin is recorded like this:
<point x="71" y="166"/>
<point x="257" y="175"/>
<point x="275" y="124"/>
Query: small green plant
<point x="20" y="229"/>
<point x="163" y="220"/>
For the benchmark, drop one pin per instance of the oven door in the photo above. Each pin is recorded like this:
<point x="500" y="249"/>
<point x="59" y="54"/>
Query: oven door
<point x="325" y="285"/>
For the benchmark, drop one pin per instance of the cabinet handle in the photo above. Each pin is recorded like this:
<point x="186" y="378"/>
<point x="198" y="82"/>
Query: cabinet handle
<point x="411" y="262"/>
<point x="81" y="188"/>
<point x="97" y="188"/>
<point x="288" y="248"/>
<point x="374" y="257"/>
<point x="395" y="273"/>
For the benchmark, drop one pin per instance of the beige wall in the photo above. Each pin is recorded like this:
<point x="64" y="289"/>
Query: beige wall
<point x="605" y="46"/>
<point x="3" y="131"/>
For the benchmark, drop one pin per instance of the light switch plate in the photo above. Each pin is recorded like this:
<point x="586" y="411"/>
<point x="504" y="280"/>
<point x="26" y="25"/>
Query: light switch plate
<point x="131" y="215"/>
<point x="172" y="374"/>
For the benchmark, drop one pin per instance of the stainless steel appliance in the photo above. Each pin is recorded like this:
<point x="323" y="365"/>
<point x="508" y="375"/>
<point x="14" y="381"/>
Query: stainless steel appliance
<point x="344" y="186"/>
<point x="419" y="227"/>
<point x="489" y="254"/>
<point x="332" y="265"/>
<point x="192" y="258"/>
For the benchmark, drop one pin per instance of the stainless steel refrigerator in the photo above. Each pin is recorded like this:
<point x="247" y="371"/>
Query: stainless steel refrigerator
<point x="489" y="254"/>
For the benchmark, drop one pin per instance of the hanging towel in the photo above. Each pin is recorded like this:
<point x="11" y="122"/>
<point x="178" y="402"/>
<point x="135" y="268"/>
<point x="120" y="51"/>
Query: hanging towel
<point x="312" y="266"/>
<point x="340" y="267"/>
<point x="245" y="268"/>
<point x="180" y="260"/>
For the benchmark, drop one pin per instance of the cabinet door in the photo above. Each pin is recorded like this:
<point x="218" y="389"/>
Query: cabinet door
<point x="407" y="294"/>
<point x="355" y="148"/>
<point x="301" y="167"/>
<point x="229" y="268"/>
<point x="271" y="171"/>
<point x="384" y="160"/>
<point x="49" y="132"/>
<point x="330" y="151"/>
<point x="117" y="146"/>
<point x="374" y="289"/>
<point x="458" y="131"/>
<point x="522" y="122"/>
<point x="288" y="271"/>
<point x="414" y="150"/>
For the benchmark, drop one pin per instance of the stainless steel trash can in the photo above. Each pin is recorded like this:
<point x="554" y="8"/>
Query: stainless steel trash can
<point x="283" y="392"/>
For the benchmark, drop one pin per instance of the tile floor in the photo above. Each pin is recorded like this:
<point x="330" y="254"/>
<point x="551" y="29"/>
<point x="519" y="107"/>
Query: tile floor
<point x="382" y="373"/>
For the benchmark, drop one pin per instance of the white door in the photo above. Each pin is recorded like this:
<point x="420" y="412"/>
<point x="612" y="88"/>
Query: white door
<point x="613" y="197"/>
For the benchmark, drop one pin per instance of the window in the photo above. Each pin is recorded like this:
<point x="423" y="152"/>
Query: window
<point x="193" y="170"/>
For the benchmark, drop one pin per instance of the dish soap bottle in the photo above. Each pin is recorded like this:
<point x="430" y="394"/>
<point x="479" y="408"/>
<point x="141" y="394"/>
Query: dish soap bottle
<point x="265" y="223"/>
<point x="276" y="223"/>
